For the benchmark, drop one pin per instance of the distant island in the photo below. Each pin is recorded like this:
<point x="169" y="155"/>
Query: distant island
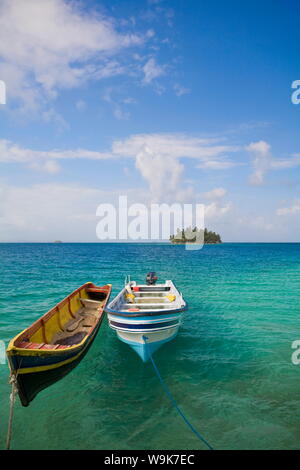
<point x="186" y="236"/>
<point x="57" y="241"/>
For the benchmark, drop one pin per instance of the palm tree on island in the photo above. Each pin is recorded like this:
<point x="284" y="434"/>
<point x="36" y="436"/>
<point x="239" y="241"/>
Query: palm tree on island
<point x="189" y="235"/>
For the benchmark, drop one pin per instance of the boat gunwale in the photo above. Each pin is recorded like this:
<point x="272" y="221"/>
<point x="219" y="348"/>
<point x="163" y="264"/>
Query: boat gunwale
<point x="13" y="350"/>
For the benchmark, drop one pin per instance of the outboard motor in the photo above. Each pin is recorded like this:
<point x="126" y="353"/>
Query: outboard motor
<point x="151" y="279"/>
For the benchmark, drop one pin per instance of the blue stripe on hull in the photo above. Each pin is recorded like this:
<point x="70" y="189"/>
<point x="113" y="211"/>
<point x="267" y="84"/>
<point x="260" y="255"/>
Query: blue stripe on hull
<point x="24" y="362"/>
<point x="147" y="318"/>
<point x="145" y="326"/>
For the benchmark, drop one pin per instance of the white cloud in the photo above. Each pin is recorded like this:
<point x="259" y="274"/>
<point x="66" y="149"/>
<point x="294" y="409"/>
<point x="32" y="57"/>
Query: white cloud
<point x="50" y="45"/>
<point x="51" y="115"/>
<point x="50" y="166"/>
<point x="257" y="226"/>
<point x="117" y="110"/>
<point x="174" y="145"/>
<point x="150" y="33"/>
<point x="129" y="100"/>
<point x="152" y="70"/>
<point x="157" y="157"/>
<point x="220" y="164"/>
<point x="263" y="161"/>
<point x="48" y="212"/>
<point x="158" y="160"/>
<point x="120" y="114"/>
<point x="13" y="153"/>
<point x="167" y="145"/>
<point x="292" y="210"/>
<point x="216" y="193"/>
<point x="161" y="173"/>
<point x="180" y="90"/>
<point x="45" y="212"/>
<point x="215" y="210"/>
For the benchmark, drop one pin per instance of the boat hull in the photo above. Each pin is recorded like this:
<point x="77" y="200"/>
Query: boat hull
<point x="154" y="340"/>
<point x="36" y="368"/>
<point x="38" y="373"/>
<point x="146" y="317"/>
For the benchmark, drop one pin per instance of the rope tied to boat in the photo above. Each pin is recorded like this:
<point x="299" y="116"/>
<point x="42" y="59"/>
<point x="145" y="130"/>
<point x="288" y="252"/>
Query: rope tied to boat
<point x="173" y="401"/>
<point x="14" y="391"/>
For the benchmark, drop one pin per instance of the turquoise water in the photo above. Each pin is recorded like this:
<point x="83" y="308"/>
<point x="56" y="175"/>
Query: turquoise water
<point x="229" y="368"/>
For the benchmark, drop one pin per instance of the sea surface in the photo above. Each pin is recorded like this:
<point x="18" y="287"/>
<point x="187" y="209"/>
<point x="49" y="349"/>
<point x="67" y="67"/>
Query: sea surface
<point x="229" y="368"/>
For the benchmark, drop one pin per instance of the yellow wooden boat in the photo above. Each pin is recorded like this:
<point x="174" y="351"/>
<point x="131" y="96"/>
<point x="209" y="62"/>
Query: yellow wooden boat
<point x="54" y="344"/>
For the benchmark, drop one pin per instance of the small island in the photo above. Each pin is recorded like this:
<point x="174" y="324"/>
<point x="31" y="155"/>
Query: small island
<point x="189" y="235"/>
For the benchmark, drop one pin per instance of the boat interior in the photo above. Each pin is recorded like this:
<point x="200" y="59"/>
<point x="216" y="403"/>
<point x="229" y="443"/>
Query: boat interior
<point x="68" y="323"/>
<point x="135" y="298"/>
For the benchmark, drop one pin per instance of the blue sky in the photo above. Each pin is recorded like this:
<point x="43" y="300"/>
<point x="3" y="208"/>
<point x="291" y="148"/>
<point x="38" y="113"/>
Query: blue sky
<point x="164" y="101"/>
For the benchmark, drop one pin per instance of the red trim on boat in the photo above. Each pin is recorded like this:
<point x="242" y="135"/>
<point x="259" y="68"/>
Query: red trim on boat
<point x="33" y="345"/>
<point x="97" y="289"/>
<point x="49" y="346"/>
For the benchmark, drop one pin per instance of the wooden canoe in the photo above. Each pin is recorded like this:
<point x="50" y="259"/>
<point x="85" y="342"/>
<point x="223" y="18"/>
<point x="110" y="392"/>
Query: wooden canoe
<point x="54" y="344"/>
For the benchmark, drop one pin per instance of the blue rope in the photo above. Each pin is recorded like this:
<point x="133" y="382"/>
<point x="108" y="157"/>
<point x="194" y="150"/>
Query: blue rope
<point x="173" y="401"/>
